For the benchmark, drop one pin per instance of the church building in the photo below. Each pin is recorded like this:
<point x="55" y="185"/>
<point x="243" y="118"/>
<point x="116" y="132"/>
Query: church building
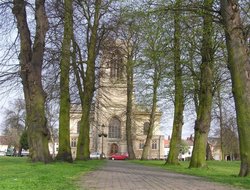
<point x="108" y="116"/>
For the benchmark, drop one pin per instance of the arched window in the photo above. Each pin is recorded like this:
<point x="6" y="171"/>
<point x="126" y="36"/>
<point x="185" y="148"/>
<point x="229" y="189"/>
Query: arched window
<point x="116" y="67"/>
<point x="154" y="144"/>
<point x="78" y="126"/>
<point x="114" y="128"/>
<point x="145" y="128"/>
<point x="141" y="144"/>
<point x="73" y="142"/>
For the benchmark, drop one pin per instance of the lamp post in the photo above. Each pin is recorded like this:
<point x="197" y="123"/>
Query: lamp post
<point x="102" y="135"/>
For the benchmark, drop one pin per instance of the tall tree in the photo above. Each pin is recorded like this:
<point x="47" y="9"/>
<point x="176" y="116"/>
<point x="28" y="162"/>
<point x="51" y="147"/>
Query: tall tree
<point x="64" y="152"/>
<point x="179" y="94"/>
<point x="130" y="86"/>
<point x="151" y="68"/>
<point x="202" y="123"/>
<point x="129" y="44"/>
<point x="31" y="61"/>
<point x="156" y="81"/>
<point x="238" y="63"/>
<point x="221" y="123"/>
<point x="128" y="40"/>
<point x="86" y="95"/>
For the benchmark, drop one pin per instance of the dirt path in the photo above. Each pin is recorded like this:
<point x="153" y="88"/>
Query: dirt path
<point x="121" y="175"/>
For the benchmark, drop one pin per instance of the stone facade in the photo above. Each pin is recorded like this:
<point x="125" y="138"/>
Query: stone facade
<point x="109" y="115"/>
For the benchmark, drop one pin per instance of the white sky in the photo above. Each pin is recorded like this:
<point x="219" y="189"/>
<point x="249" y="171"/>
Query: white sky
<point x="167" y="124"/>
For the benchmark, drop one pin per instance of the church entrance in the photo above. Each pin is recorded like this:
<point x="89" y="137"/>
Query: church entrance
<point x="114" y="148"/>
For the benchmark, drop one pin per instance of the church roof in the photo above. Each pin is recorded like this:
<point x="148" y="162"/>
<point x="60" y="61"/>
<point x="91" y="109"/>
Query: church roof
<point x="141" y="109"/>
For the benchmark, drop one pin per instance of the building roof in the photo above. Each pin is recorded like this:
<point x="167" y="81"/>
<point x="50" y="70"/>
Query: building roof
<point x="214" y="141"/>
<point x="145" y="110"/>
<point x="189" y="141"/>
<point x="166" y="143"/>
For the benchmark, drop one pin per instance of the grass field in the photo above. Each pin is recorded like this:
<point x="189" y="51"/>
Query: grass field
<point x="219" y="171"/>
<point x="19" y="174"/>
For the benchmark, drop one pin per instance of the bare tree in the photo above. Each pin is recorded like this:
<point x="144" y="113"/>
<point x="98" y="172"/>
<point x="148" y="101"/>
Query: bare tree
<point x="128" y="37"/>
<point x="230" y="139"/>
<point x="31" y="61"/>
<point x="85" y="73"/>
<point x="14" y="123"/>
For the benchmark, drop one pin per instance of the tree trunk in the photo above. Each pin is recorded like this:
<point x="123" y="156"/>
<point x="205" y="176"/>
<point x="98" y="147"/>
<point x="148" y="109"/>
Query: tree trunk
<point x="83" y="138"/>
<point x="129" y="135"/>
<point x="179" y="95"/>
<point x="64" y="152"/>
<point x="209" y="155"/>
<point x="146" y="147"/>
<point x="89" y="88"/>
<point x="202" y="123"/>
<point x="221" y="123"/>
<point x="238" y="63"/>
<point x="31" y="60"/>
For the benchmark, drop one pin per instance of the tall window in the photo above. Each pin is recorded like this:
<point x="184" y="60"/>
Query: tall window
<point x="116" y="67"/>
<point x="115" y="128"/>
<point x="78" y="126"/>
<point x="73" y="142"/>
<point x="141" y="144"/>
<point x="145" y="128"/>
<point x="154" y="144"/>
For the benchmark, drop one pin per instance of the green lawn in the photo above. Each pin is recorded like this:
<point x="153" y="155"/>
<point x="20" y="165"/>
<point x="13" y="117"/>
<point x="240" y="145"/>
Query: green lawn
<point x="219" y="171"/>
<point x="18" y="173"/>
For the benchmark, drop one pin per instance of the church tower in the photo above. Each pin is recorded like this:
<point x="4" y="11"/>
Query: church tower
<point x="111" y="101"/>
<point x="108" y="115"/>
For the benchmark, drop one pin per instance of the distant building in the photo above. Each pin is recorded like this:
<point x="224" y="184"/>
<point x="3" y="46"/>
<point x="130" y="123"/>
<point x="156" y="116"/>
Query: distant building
<point x="53" y="148"/>
<point x="182" y="156"/>
<point x="166" y="146"/>
<point x="190" y="143"/>
<point x="231" y="148"/>
<point x="214" y="144"/>
<point x="215" y="147"/>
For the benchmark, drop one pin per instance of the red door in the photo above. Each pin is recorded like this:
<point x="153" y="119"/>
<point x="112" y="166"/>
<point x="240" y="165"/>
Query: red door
<point x="114" y="149"/>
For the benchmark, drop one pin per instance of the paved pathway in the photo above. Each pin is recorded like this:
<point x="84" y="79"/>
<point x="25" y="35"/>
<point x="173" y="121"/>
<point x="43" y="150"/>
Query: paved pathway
<point x="122" y="175"/>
